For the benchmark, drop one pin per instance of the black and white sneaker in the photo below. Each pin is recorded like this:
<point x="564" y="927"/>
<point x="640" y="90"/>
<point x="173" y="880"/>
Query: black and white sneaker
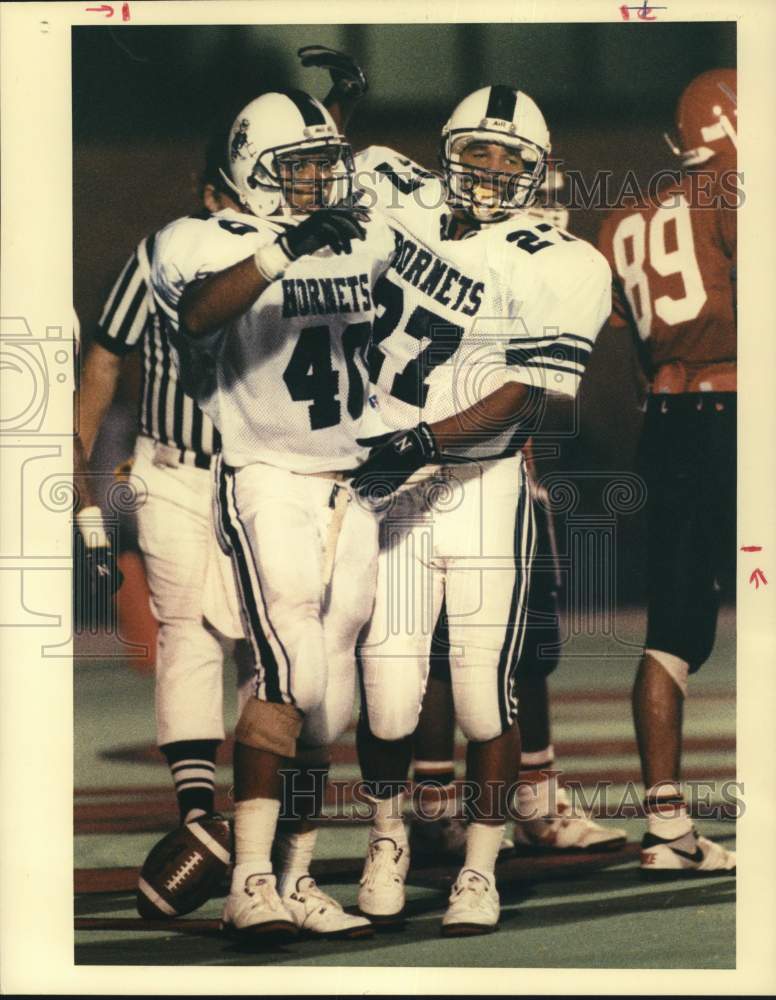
<point x="685" y="855"/>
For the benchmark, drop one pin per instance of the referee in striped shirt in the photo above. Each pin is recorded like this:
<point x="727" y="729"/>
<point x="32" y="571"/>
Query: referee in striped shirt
<point x="171" y="472"/>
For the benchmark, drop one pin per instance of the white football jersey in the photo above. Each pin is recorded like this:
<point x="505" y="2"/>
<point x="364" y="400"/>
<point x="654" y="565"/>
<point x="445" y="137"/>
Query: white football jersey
<point x="286" y="382"/>
<point x="519" y="300"/>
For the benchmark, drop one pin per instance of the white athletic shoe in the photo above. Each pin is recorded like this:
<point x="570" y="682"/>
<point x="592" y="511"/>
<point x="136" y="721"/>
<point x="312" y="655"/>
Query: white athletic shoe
<point x="316" y="912"/>
<point x="443" y="839"/>
<point x="381" y="892"/>
<point x="473" y="907"/>
<point x="685" y="855"/>
<point x="257" y="909"/>
<point x="568" y="830"/>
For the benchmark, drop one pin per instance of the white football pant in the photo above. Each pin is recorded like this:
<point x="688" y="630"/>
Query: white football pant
<point x="466" y="537"/>
<point x="276" y="523"/>
<point x="177" y="539"/>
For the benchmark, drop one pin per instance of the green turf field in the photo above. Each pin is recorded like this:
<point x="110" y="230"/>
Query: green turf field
<point x="557" y="912"/>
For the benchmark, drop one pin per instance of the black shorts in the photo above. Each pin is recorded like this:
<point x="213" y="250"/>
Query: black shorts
<point x="687" y="456"/>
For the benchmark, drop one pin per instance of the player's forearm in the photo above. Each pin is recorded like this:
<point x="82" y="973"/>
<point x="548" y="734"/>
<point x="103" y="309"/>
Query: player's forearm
<point x="99" y="379"/>
<point x="507" y="407"/>
<point x="83" y="493"/>
<point x="341" y="107"/>
<point x="209" y="305"/>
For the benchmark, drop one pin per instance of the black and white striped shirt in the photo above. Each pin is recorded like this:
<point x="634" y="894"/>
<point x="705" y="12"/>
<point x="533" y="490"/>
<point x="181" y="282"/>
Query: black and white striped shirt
<point x="130" y="320"/>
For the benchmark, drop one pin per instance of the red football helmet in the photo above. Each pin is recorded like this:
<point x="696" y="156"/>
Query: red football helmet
<point x="706" y="118"/>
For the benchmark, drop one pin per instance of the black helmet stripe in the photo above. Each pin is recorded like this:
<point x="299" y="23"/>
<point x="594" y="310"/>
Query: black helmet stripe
<point x="307" y="107"/>
<point x="501" y="103"/>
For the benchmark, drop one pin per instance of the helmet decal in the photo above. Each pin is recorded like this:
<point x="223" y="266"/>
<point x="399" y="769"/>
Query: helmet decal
<point x="239" y="140"/>
<point x="287" y="156"/>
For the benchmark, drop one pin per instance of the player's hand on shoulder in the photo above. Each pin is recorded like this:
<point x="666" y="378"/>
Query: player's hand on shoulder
<point x="333" y="228"/>
<point x="346" y="74"/>
<point x="392" y="459"/>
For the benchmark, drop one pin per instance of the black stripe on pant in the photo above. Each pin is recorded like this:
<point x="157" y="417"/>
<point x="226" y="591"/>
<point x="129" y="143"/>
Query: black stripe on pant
<point x="242" y="560"/>
<point x="524" y="543"/>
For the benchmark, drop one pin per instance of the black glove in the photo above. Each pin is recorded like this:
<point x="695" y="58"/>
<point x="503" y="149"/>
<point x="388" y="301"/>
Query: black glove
<point x="328" y="227"/>
<point x="346" y="75"/>
<point x="97" y="578"/>
<point x="392" y="460"/>
<point x="101" y="572"/>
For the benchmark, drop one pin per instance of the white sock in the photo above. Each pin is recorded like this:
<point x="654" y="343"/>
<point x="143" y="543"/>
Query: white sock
<point x="388" y="821"/>
<point x="667" y="815"/>
<point x="536" y="798"/>
<point x="294" y="854"/>
<point x="482" y="843"/>
<point x="255" y="821"/>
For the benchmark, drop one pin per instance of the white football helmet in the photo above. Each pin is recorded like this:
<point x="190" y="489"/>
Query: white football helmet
<point x="270" y="138"/>
<point x="505" y="116"/>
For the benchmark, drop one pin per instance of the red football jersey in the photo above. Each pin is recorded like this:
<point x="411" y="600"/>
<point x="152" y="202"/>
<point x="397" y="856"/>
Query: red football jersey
<point x="673" y="265"/>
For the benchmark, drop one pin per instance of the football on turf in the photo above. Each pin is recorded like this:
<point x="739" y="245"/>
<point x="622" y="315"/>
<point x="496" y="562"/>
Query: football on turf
<point x="185" y="869"/>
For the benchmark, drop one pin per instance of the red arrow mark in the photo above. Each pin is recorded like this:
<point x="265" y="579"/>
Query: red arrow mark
<point x="105" y="8"/>
<point x="751" y="548"/>
<point x="756" y="577"/>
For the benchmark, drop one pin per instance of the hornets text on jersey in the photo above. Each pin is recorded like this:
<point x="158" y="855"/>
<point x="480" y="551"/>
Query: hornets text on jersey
<point x="286" y="382"/>
<point x="519" y="300"/>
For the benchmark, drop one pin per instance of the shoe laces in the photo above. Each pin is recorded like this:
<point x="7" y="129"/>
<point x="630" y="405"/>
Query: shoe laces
<point x="312" y="896"/>
<point x="470" y="881"/>
<point x="261" y="889"/>
<point x="382" y="861"/>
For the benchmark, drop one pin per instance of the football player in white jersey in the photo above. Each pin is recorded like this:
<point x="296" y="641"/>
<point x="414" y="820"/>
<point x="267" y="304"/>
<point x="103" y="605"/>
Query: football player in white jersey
<point x="483" y="311"/>
<point x="545" y="817"/>
<point x="275" y="308"/>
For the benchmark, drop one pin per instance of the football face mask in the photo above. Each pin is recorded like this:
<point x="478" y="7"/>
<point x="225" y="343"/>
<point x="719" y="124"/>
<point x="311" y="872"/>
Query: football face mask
<point x="706" y="118"/>
<point x="509" y="135"/>
<point x="308" y="177"/>
<point x="492" y="179"/>
<point x="287" y="157"/>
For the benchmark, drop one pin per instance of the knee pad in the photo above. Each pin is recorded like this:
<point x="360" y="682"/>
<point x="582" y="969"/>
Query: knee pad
<point x="269" y="725"/>
<point x="392" y="728"/>
<point x="480" y="730"/>
<point x="394" y="720"/>
<point x="677" y="669"/>
<point x="391" y="713"/>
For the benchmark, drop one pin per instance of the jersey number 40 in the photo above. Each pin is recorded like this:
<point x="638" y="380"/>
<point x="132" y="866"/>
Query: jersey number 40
<point x="310" y="374"/>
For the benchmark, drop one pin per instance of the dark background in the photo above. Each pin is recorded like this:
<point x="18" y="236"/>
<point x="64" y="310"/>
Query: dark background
<point x="145" y="100"/>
